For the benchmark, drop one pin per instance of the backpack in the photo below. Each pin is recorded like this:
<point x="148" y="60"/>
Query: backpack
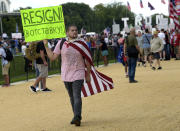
<point x="31" y="53"/>
<point x="9" y="55"/>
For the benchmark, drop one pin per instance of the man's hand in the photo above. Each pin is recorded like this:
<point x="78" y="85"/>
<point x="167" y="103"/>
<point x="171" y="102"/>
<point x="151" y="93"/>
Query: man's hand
<point x="88" y="78"/>
<point x="45" y="42"/>
<point x="45" y="63"/>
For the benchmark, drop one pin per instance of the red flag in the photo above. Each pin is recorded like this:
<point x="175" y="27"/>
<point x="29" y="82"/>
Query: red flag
<point x="99" y="82"/>
<point x="162" y="1"/>
<point x="141" y="4"/>
<point x="128" y="6"/>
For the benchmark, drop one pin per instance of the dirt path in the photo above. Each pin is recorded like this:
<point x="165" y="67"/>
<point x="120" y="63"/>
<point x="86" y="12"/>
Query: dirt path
<point x="151" y="105"/>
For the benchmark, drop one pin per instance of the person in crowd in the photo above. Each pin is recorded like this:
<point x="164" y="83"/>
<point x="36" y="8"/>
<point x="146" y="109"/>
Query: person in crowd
<point x="104" y="50"/>
<point x="121" y="55"/>
<point x="115" y="46"/>
<point x="13" y="46"/>
<point x="93" y="46"/>
<point x="140" y="44"/>
<point x="132" y="44"/>
<point x="176" y="44"/>
<point x="146" y="46"/>
<point x="172" y="33"/>
<point x="161" y="35"/>
<point x="42" y="66"/>
<point x="72" y="70"/>
<point x="156" y="47"/>
<point x="167" y="45"/>
<point x="5" y="66"/>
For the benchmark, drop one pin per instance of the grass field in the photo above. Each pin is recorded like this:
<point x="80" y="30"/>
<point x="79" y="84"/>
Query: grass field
<point x="153" y="104"/>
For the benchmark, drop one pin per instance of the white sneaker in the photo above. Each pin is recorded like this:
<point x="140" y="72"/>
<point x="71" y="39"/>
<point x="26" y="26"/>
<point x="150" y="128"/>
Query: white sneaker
<point x="37" y="89"/>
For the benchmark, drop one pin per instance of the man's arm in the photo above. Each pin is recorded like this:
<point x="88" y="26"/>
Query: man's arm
<point x="50" y="54"/>
<point x="43" y="57"/>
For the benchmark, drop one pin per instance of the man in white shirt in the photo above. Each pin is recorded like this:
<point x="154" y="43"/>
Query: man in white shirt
<point x="161" y="35"/>
<point x="5" y="66"/>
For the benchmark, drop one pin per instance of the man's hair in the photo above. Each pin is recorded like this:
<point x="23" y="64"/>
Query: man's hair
<point x="68" y="28"/>
<point x="162" y="30"/>
<point x="147" y="30"/>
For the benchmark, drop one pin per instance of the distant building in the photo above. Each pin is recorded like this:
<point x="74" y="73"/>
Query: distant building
<point x="4" y="6"/>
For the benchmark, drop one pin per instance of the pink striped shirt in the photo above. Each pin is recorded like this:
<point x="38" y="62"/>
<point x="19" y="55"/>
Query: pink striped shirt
<point x="72" y="67"/>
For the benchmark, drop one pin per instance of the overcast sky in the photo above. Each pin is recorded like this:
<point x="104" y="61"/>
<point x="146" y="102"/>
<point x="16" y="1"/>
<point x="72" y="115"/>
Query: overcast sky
<point x="135" y="6"/>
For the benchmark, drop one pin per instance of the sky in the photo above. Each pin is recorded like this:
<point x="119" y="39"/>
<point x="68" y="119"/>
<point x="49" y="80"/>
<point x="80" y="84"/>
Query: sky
<point x="135" y="4"/>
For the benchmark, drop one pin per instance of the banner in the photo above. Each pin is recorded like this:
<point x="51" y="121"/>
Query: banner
<point x="16" y="35"/>
<point x="116" y="28"/>
<point x="43" y="23"/>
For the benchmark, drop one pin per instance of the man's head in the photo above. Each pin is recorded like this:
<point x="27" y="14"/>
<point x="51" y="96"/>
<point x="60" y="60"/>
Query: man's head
<point x="155" y="33"/>
<point x="132" y="31"/>
<point x="162" y="30"/>
<point x="139" y="33"/>
<point x="146" y="30"/>
<point x="72" y="32"/>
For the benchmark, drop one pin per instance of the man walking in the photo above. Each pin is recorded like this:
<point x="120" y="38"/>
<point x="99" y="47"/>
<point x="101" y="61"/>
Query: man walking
<point x="5" y="66"/>
<point x="72" y="70"/>
<point x="156" y="47"/>
<point x="42" y="66"/>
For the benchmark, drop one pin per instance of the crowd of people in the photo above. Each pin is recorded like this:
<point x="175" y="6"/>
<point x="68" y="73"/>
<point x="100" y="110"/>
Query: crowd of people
<point x="140" y="46"/>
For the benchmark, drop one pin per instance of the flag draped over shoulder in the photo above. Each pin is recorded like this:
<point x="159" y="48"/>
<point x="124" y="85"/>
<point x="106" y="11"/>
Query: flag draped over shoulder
<point x="99" y="82"/>
<point x="173" y="13"/>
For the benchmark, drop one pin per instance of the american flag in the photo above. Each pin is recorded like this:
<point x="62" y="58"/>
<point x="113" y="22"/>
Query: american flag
<point x="141" y="4"/>
<point x="162" y="1"/>
<point x="173" y="13"/>
<point x="128" y="6"/>
<point x="178" y="6"/>
<point x="99" y="82"/>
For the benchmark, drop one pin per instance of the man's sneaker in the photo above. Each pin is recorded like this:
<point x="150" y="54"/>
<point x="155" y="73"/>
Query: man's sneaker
<point x="159" y="68"/>
<point x="46" y="90"/>
<point x="134" y="81"/>
<point x="37" y="89"/>
<point x="73" y="120"/>
<point x="153" y="68"/>
<point x="77" y="121"/>
<point x="32" y="88"/>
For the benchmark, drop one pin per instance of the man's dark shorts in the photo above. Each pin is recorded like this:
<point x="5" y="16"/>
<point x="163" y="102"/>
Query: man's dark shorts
<point x="156" y="55"/>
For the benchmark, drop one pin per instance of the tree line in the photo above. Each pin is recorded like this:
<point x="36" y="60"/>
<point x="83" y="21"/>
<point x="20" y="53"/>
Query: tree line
<point x="91" y="19"/>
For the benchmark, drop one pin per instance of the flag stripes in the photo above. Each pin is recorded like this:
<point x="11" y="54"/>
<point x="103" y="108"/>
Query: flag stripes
<point x="99" y="82"/>
<point x="173" y="13"/>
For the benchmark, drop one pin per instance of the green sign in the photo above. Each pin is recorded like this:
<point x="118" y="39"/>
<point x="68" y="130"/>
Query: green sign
<point x="43" y="23"/>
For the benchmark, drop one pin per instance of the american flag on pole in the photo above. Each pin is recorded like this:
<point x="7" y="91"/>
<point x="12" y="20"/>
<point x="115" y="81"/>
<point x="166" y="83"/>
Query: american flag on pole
<point x="162" y="1"/>
<point x="99" y="82"/>
<point x="173" y="13"/>
<point x="141" y="4"/>
<point x="128" y="6"/>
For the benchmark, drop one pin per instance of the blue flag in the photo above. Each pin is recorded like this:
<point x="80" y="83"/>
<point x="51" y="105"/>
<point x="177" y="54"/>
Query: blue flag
<point x="150" y="6"/>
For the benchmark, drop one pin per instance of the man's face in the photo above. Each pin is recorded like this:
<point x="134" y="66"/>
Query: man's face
<point x="72" y="32"/>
